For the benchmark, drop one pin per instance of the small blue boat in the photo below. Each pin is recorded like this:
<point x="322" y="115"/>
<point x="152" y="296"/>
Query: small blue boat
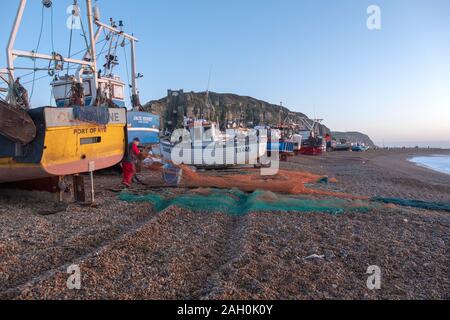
<point x="281" y="146"/>
<point x="359" y="148"/>
<point x="285" y="149"/>
<point x="144" y="126"/>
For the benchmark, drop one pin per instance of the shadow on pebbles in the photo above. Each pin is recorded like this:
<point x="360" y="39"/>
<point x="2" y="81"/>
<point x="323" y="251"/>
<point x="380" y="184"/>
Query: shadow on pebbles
<point x="126" y="251"/>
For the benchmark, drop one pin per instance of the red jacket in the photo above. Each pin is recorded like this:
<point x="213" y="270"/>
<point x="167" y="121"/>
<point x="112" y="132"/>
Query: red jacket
<point x="132" y="153"/>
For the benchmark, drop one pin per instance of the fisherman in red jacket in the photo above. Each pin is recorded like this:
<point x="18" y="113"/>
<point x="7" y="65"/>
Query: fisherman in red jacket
<point x="128" y="163"/>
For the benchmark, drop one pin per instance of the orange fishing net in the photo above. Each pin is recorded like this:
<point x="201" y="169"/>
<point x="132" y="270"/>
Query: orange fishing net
<point x="285" y="182"/>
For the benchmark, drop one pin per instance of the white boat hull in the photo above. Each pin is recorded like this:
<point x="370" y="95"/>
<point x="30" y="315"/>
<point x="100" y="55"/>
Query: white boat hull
<point x="213" y="154"/>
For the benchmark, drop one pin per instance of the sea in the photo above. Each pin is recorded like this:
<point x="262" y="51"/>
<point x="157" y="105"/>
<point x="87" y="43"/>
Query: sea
<point x="422" y="144"/>
<point x="440" y="163"/>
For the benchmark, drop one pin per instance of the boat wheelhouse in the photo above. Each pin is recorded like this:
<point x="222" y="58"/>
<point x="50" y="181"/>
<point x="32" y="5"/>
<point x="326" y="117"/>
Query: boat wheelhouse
<point x="112" y="87"/>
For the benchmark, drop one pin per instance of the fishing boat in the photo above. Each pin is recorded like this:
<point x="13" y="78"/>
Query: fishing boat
<point x="359" y="147"/>
<point x="314" y="146"/>
<point x="200" y="143"/>
<point x="342" y="145"/>
<point x="110" y="89"/>
<point x="86" y="131"/>
<point x="283" y="140"/>
<point x="312" y="143"/>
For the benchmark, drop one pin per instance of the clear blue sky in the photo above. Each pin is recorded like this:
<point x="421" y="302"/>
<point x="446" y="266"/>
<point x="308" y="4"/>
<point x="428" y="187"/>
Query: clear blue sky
<point x="316" y="56"/>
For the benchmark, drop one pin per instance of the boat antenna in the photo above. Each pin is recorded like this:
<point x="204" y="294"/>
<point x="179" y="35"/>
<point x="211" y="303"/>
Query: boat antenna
<point x="207" y="100"/>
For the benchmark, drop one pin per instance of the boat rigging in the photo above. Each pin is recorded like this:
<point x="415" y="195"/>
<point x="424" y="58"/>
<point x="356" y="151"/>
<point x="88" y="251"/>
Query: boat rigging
<point x="87" y="130"/>
<point x="109" y="88"/>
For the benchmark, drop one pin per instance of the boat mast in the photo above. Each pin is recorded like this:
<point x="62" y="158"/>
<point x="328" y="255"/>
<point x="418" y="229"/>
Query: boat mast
<point x="134" y="90"/>
<point x="92" y="50"/>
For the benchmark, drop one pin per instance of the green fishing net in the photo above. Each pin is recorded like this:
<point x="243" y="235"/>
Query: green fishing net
<point x="238" y="203"/>
<point x="235" y="202"/>
<point x="427" y="205"/>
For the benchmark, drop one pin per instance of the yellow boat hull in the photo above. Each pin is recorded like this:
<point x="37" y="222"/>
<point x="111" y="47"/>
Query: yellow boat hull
<point x="67" y="147"/>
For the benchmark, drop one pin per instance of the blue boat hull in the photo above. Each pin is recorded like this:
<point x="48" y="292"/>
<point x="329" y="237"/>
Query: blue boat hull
<point x="144" y="126"/>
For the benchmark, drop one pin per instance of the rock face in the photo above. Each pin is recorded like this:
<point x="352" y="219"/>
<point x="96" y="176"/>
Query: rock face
<point x="226" y="109"/>
<point x="353" y="137"/>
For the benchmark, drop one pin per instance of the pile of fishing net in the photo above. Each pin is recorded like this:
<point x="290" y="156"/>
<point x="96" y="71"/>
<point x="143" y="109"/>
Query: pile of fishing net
<point x="284" y="182"/>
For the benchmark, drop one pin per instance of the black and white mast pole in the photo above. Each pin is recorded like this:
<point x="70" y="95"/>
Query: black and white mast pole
<point x="92" y="50"/>
<point x="9" y="50"/>
<point x="134" y="90"/>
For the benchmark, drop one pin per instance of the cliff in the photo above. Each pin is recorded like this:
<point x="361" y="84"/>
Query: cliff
<point x="226" y="109"/>
<point x="353" y="137"/>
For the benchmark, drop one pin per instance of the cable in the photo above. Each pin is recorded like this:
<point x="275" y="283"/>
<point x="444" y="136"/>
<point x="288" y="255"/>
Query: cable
<point x="35" y="79"/>
<point x="84" y="50"/>
<point x="70" y="41"/>
<point x="40" y="78"/>
<point x="27" y="74"/>
<point x="114" y="55"/>
<point x="52" y="30"/>
<point x="128" y="75"/>
<point x="103" y="48"/>
<point x="37" y="49"/>
<point x="109" y="51"/>
<point x="84" y="35"/>
<point x="37" y="69"/>
<point x="70" y="51"/>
